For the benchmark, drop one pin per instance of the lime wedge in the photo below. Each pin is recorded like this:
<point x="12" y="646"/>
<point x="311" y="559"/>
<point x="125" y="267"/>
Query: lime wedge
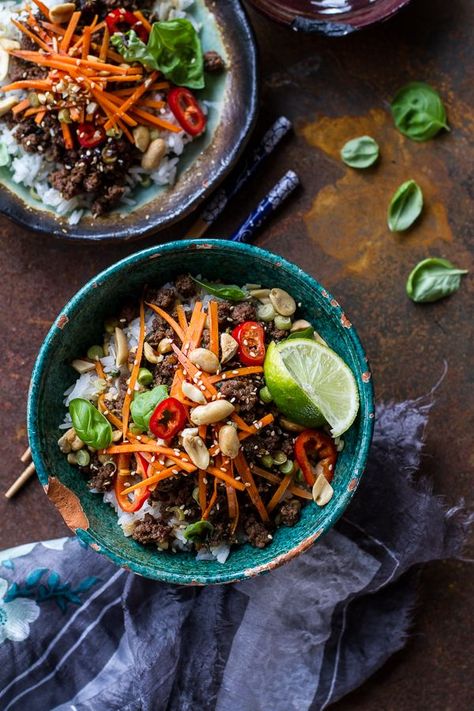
<point x="311" y="385"/>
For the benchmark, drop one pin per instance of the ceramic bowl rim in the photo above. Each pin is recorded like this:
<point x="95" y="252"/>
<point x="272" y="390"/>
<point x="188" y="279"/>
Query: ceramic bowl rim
<point x="366" y="411"/>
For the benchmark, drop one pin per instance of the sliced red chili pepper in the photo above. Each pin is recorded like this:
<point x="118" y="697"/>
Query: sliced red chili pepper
<point x="187" y="111"/>
<point x="121" y="20"/>
<point x="89" y="135"/>
<point x="122" y="482"/>
<point x="251" y="339"/>
<point x="168" y="418"/>
<point x="317" y="447"/>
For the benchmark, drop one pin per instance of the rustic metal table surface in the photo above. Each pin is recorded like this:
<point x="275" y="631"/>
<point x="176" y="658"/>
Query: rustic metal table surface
<point x="335" y="228"/>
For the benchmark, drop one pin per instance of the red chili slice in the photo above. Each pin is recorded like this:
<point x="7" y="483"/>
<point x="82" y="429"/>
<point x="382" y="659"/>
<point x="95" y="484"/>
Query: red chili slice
<point x="316" y="445"/>
<point x="122" y="482"/>
<point x="251" y="339"/>
<point x="89" y="135"/>
<point x="168" y="418"/>
<point x="122" y="20"/>
<point x="187" y="111"/>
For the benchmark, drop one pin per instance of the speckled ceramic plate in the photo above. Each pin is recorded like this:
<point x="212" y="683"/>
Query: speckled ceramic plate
<point x="80" y="324"/>
<point x="334" y="18"/>
<point x="205" y="162"/>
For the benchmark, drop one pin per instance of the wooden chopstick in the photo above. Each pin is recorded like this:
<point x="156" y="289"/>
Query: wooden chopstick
<point x="22" y="479"/>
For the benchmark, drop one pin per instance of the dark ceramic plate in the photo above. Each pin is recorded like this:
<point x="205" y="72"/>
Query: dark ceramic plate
<point x="329" y="17"/>
<point x="80" y="324"/>
<point x="233" y="98"/>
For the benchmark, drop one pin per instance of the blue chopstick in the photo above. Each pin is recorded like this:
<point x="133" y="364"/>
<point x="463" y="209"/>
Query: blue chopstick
<point x="270" y="203"/>
<point x="220" y="199"/>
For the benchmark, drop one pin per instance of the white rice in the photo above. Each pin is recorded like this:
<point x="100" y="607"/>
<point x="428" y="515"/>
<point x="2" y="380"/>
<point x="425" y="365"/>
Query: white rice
<point x="31" y="170"/>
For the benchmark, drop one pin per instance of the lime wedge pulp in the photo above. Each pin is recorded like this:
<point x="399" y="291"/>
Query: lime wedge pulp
<point x="310" y="384"/>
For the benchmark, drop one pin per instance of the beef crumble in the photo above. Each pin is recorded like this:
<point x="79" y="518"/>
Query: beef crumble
<point x="213" y="62"/>
<point x="289" y="512"/>
<point x="150" y="530"/>
<point x="242" y="393"/>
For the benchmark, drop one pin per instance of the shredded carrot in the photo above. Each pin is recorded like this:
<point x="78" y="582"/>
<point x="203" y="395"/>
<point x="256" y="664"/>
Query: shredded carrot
<point x="66" y="40"/>
<point x="169" y="320"/>
<point x="68" y="142"/>
<point x="28" y="84"/>
<point x="257" y="426"/>
<point x="59" y="61"/>
<point x="33" y="111"/>
<point x="244" y="471"/>
<point x="139" y="91"/>
<point x="40" y="116"/>
<point x="202" y="431"/>
<point x="241" y="424"/>
<point x="214" y="328"/>
<point x="280" y="492"/>
<point x="154" y="87"/>
<point x="215" y="471"/>
<point x="152" y="104"/>
<point x="87" y="42"/>
<point x="156" y="121"/>
<point x="134" y="374"/>
<point x="233" y="505"/>
<point x="99" y="369"/>
<point x="237" y="372"/>
<point x="31" y="35"/>
<point x="193" y="371"/>
<point x="202" y="490"/>
<point x="143" y="20"/>
<point x="105" y="45"/>
<point x="151" y="446"/>
<point x="211" y="502"/>
<point x="274" y="479"/>
<point x="21" y="106"/>
<point x="164" y="474"/>
<point x="42" y="7"/>
<point x="182" y="318"/>
<point x="94" y="27"/>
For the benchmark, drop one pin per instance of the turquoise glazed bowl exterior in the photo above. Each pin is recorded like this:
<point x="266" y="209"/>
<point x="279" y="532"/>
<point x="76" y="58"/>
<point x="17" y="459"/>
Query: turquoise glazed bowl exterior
<point x="232" y="98"/>
<point x="80" y="324"/>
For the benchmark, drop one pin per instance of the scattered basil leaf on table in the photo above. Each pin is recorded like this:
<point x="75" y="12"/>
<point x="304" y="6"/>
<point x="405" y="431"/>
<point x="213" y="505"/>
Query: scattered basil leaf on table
<point x="90" y="424"/>
<point x="223" y="291"/>
<point x="143" y="405"/>
<point x="173" y="48"/>
<point x="197" y="531"/>
<point x="405" y="206"/>
<point x="304" y="333"/>
<point x="418" y="112"/>
<point x="360" y="152"/>
<point x="4" y="156"/>
<point x="433" y="279"/>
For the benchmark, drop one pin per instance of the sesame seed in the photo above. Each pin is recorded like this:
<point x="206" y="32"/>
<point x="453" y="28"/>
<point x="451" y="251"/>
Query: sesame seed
<point x="247" y="484"/>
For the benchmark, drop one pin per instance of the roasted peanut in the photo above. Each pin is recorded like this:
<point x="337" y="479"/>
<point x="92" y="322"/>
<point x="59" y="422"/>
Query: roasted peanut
<point x="7" y="104"/>
<point x="150" y="354"/>
<point x="229" y="347"/>
<point x="212" y="412"/>
<point x="300" y="325"/>
<point x="282" y="302"/>
<point x="205" y="360"/>
<point x="229" y="442"/>
<point x="154" y="154"/>
<point x="197" y="451"/>
<point x="164" y="346"/>
<point x="193" y="393"/>
<point x="322" y="491"/>
<point x="61" y="13"/>
<point x="82" y="366"/>
<point x="141" y="138"/>
<point x="121" y="347"/>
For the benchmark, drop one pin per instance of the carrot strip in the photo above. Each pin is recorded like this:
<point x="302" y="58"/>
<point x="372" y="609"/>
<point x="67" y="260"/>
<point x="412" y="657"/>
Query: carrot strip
<point x="40" y="116"/>
<point x="154" y="87"/>
<point x="202" y="490"/>
<point x="244" y="471"/>
<point x="164" y="474"/>
<point x="241" y="424"/>
<point x="31" y="35"/>
<point x="139" y="91"/>
<point x="33" y="23"/>
<point x="99" y="369"/>
<point x="66" y="40"/>
<point x="109" y="107"/>
<point x="87" y="42"/>
<point x="155" y="121"/>
<point x="105" y="45"/>
<point x="233" y="505"/>
<point x="120" y="78"/>
<point x="193" y="371"/>
<point x="152" y="104"/>
<point x="60" y="60"/>
<point x="202" y="431"/>
<point x="182" y="318"/>
<point x="33" y="111"/>
<point x="169" y="320"/>
<point x="68" y="142"/>
<point x="21" y="106"/>
<point x="148" y="446"/>
<point x="134" y="374"/>
<point x="42" y="7"/>
<point x="28" y="84"/>
<point x="143" y="20"/>
<point x="280" y="492"/>
<point x="215" y="471"/>
<point x="175" y="390"/>
<point x="213" y="328"/>
<point x="257" y="426"/>
<point x="269" y="476"/>
<point x="237" y="372"/>
<point x="94" y="27"/>
<point x="211" y="502"/>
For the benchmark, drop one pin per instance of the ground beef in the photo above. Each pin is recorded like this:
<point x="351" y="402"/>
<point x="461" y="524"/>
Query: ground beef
<point x="244" y="311"/>
<point x="109" y="199"/>
<point x="272" y="333"/>
<point x="177" y="491"/>
<point x="159" y="330"/>
<point x="224" y="313"/>
<point x="164" y="371"/>
<point x="164" y="297"/>
<point x="102" y="478"/>
<point x="270" y="439"/>
<point x="213" y="62"/>
<point x="128" y="312"/>
<point x="206" y="338"/>
<point x="185" y="285"/>
<point x="289" y="512"/>
<point x="258" y="536"/>
<point x="242" y="393"/>
<point x="115" y="406"/>
<point x="150" y="530"/>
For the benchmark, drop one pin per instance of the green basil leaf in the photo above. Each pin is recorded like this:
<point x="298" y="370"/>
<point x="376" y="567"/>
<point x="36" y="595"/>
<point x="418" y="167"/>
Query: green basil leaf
<point x="4" y="156"/>
<point x="418" y="112"/>
<point x="173" y="48"/>
<point x="90" y="424"/>
<point x="433" y="279"/>
<point x="197" y="531"/>
<point x="143" y="405"/>
<point x="360" y="152"/>
<point x="405" y="206"/>
<point x="304" y="333"/>
<point x="223" y="291"/>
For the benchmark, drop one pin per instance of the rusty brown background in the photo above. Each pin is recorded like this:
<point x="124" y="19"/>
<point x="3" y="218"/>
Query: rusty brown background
<point x="335" y="229"/>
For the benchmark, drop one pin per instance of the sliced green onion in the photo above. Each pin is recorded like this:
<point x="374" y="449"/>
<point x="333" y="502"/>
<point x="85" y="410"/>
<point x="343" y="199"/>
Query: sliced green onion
<point x="287" y="467"/>
<point x="283" y="322"/>
<point x="267" y="461"/>
<point x="265" y="395"/>
<point x="95" y="352"/>
<point x="83" y="457"/>
<point x="145" y="377"/>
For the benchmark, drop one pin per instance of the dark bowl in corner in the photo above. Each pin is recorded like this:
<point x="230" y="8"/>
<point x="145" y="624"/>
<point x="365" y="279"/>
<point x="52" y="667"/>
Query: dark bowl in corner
<point x="204" y="163"/>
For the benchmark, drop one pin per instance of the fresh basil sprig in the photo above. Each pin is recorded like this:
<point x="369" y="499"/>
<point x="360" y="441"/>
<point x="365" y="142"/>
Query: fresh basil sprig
<point x="433" y="279"/>
<point x="197" y="531"/>
<point x="360" y="152"/>
<point x="418" y="111"/>
<point x="405" y="206"/>
<point x="143" y="405"/>
<point x="223" y="291"/>
<point x="90" y="424"/>
<point x="173" y="48"/>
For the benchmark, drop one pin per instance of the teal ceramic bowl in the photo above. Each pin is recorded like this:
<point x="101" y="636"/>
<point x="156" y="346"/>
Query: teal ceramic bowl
<point x="232" y="98"/>
<point x="80" y="324"/>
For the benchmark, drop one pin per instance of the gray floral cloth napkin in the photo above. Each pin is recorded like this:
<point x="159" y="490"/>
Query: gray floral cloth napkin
<point x="78" y="634"/>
